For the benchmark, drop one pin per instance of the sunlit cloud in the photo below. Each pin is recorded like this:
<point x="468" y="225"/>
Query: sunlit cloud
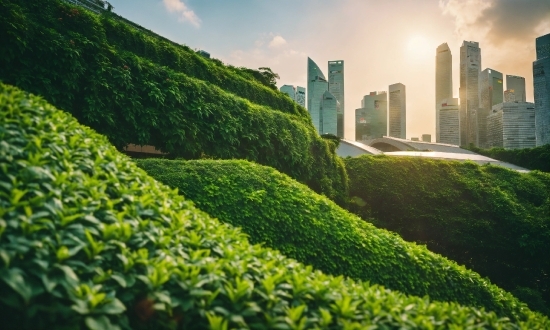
<point x="185" y="14"/>
<point x="277" y="41"/>
<point x="498" y="20"/>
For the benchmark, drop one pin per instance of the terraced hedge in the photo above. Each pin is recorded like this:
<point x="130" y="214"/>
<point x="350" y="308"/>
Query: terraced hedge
<point x="493" y="220"/>
<point x="285" y="215"/>
<point x="65" y="55"/>
<point x="25" y="21"/>
<point x="532" y="158"/>
<point x="88" y="240"/>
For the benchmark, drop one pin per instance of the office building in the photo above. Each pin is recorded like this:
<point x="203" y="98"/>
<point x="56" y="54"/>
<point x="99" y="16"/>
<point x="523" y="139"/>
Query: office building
<point x="443" y="76"/>
<point x="509" y="95"/>
<point x="298" y="94"/>
<point x="470" y="67"/>
<point x="541" y="84"/>
<point x="336" y="88"/>
<point x="371" y="120"/>
<point x="317" y="85"/>
<point x="330" y="114"/>
<point x="511" y="125"/>
<point x="448" y="114"/>
<point x="491" y="92"/>
<point x="397" y="111"/>
<point x="516" y="84"/>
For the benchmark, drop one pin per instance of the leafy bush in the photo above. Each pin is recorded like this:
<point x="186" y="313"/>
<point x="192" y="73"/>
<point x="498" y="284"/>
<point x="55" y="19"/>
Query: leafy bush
<point x="532" y="158"/>
<point x="285" y="215"/>
<point x="63" y="54"/>
<point x="493" y="220"/>
<point x="87" y="240"/>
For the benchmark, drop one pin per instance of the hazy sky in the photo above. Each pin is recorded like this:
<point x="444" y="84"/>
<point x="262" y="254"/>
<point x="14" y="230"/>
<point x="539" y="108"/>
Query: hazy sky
<point x="381" y="42"/>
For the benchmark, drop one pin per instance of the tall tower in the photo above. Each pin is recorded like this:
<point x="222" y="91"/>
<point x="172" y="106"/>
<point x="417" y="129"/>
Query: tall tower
<point x="470" y="67"/>
<point x="516" y="85"/>
<point x="330" y="107"/>
<point x="443" y="79"/>
<point x="336" y="88"/>
<point x="317" y="85"/>
<point x="398" y="111"/>
<point x="298" y="94"/>
<point x="449" y="120"/>
<point x="541" y="84"/>
<point x="491" y="92"/>
<point x="371" y="120"/>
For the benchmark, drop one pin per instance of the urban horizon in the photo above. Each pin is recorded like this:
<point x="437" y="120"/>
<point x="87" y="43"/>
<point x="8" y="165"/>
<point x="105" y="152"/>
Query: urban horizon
<point x="377" y="54"/>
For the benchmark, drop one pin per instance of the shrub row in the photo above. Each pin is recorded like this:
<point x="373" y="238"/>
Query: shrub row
<point x="494" y="220"/>
<point x="108" y="31"/>
<point x="532" y="158"/>
<point x="274" y="209"/>
<point x="88" y="240"/>
<point x="132" y="100"/>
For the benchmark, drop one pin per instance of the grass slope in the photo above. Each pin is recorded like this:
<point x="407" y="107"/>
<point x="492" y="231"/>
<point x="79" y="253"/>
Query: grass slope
<point x="493" y="220"/>
<point x="88" y="240"/>
<point x="285" y="215"/>
<point x="70" y="56"/>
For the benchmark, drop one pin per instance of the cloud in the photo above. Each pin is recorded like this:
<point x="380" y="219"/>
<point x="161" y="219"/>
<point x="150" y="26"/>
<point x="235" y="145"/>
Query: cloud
<point x="185" y="14"/>
<point x="277" y="41"/>
<point x="499" y="21"/>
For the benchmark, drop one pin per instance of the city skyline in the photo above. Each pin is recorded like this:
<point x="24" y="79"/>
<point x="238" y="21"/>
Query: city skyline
<point x="257" y="34"/>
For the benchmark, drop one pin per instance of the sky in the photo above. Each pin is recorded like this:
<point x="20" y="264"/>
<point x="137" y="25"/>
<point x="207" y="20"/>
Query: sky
<point x="381" y="42"/>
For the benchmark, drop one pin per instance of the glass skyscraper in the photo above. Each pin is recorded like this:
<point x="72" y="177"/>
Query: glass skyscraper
<point x="336" y="88"/>
<point x="470" y="67"/>
<point x="371" y="120"/>
<point x="448" y="116"/>
<point x="330" y="109"/>
<point x="491" y="92"/>
<point x="443" y="79"/>
<point x="298" y="94"/>
<point x="511" y="125"/>
<point x="541" y="84"/>
<point x="516" y="85"/>
<point x="397" y="111"/>
<point x="317" y="85"/>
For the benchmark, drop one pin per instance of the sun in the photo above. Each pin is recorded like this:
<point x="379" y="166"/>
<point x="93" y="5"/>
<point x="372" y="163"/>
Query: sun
<point x="419" y="47"/>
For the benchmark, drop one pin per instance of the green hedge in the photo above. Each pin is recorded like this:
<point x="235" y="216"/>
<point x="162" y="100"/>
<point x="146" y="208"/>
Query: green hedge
<point x="88" y="240"/>
<point x="285" y="215"/>
<point x="25" y="21"/>
<point x="132" y="100"/>
<point x="532" y="158"/>
<point x="493" y="220"/>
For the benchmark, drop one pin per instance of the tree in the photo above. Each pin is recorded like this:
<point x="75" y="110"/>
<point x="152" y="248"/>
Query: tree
<point x="269" y="76"/>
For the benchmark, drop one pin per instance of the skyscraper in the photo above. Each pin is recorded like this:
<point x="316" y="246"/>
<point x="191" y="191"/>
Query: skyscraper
<point x="511" y="125"/>
<point x="470" y="67"/>
<point x="371" y="120"/>
<point x="397" y="111"/>
<point x="448" y="114"/>
<point x="516" y="84"/>
<point x="330" y="111"/>
<point x="336" y="88"/>
<point x="541" y="84"/>
<point x="443" y="78"/>
<point x="491" y="92"/>
<point x="317" y="85"/>
<point x="298" y="94"/>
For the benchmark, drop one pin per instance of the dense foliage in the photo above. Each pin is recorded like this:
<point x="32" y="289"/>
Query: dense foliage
<point x="88" y="240"/>
<point x="493" y="220"/>
<point x="532" y="158"/>
<point x="274" y="209"/>
<point x="77" y="61"/>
